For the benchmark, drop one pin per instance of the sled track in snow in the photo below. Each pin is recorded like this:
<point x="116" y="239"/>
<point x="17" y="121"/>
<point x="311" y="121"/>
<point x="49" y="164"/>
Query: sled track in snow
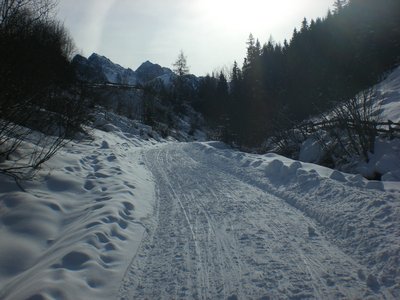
<point x="216" y="236"/>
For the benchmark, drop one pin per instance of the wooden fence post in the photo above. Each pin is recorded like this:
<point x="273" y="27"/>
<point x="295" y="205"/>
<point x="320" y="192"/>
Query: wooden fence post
<point x="390" y="130"/>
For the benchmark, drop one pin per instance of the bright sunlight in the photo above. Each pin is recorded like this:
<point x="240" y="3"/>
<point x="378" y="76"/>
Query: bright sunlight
<point x="248" y="16"/>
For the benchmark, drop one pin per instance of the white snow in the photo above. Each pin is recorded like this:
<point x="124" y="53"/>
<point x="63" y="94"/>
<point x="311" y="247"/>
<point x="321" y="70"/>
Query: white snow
<point x="129" y="215"/>
<point x="237" y="225"/>
<point x="128" y="218"/>
<point x="165" y="79"/>
<point x="386" y="157"/>
<point x="78" y="225"/>
<point x="385" y="160"/>
<point x="389" y="95"/>
<point x="310" y="151"/>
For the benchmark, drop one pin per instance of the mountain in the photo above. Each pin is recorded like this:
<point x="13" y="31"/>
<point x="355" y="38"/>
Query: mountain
<point x="100" y="69"/>
<point x="149" y="71"/>
<point x="87" y="71"/>
<point x="114" y="73"/>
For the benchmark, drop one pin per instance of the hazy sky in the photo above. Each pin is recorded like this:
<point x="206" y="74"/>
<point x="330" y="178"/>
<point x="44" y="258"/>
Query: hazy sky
<point x="212" y="33"/>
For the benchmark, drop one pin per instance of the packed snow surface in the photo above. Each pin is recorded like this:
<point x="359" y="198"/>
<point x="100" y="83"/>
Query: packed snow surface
<point x="236" y="226"/>
<point x="129" y="215"/>
<point x="123" y="217"/>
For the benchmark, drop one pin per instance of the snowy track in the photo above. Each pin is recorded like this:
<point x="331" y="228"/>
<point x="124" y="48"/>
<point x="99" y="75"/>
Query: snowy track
<point x="217" y="235"/>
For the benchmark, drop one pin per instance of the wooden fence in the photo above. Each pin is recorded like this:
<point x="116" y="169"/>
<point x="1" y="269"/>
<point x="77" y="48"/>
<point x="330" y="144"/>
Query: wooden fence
<point x="114" y="85"/>
<point x="388" y="128"/>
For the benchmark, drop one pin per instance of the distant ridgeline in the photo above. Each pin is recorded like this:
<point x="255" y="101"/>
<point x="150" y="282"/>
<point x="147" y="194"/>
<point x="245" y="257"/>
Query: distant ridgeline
<point x="152" y="94"/>
<point x="327" y="60"/>
<point x="99" y="69"/>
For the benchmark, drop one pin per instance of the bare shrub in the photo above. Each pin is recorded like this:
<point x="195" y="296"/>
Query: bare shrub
<point x="353" y="125"/>
<point x="11" y="10"/>
<point x="43" y="132"/>
<point x="40" y="102"/>
<point x="347" y="131"/>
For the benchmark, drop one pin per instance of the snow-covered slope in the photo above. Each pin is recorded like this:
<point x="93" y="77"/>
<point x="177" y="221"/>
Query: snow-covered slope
<point x="389" y="95"/>
<point x="385" y="159"/>
<point x="129" y="215"/>
<point x="71" y="232"/>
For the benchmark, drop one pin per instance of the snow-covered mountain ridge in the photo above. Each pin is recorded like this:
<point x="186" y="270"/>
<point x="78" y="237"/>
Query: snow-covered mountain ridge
<point x="100" y="69"/>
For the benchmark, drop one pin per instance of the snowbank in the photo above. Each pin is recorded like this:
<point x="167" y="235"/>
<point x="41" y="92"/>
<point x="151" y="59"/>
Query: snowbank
<point x="361" y="216"/>
<point x="385" y="161"/>
<point x="74" y="230"/>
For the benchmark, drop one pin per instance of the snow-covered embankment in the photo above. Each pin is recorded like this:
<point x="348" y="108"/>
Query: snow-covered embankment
<point x="75" y="228"/>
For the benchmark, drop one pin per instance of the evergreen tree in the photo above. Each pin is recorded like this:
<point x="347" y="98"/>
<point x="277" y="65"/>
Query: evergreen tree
<point x="304" y="26"/>
<point x="181" y="91"/>
<point x="180" y="65"/>
<point x="338" y="5"/>
<point x="222" y="86"/>
<point x="328" y="60"/>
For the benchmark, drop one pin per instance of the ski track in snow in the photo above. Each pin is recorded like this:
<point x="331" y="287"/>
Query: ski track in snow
<point x="217" y="235"/>
<point x="127" y="216"/>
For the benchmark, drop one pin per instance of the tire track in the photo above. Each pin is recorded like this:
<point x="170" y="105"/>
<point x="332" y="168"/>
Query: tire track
<point x="219" y="237"/>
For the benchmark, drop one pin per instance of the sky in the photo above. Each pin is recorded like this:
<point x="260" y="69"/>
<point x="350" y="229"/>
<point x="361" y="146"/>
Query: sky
<point x="211" y="33"/>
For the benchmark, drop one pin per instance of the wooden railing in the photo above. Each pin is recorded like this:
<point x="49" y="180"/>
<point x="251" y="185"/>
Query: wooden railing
<point x="114" y="85"/>
<point x="389" y="128"/>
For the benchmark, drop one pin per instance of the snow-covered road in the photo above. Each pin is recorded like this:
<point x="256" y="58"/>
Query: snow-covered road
<point x="127" y="214"/>
<point x="217" y="234"/>
<point x="120" y="217"/>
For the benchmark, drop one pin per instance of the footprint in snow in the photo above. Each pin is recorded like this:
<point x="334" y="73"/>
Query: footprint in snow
<point x="74" y="260"/>
<point x="311" y="232"/>
<point x="111" y="158"/>
<point x="104" y="145"/>
<point x="89" y="185"/>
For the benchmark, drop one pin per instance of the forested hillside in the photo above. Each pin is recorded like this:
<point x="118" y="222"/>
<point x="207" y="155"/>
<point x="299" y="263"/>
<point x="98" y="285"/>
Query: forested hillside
<point x="327" y="60"/>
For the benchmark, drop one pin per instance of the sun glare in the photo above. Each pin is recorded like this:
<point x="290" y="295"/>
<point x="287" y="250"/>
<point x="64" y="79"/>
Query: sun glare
<point x="245" y="15"/>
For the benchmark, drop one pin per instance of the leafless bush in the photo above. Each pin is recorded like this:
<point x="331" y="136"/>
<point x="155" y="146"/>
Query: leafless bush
<point x="286" y="137"/>
<point x="40" y="102"/>
<point x="11" y="10"/>
<point x="286" y="142"/>
<point x="25" y="150"/>
<point x="353" y="124"/>
<point x="43" y="132"/>
<point x="346" y="131"/>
